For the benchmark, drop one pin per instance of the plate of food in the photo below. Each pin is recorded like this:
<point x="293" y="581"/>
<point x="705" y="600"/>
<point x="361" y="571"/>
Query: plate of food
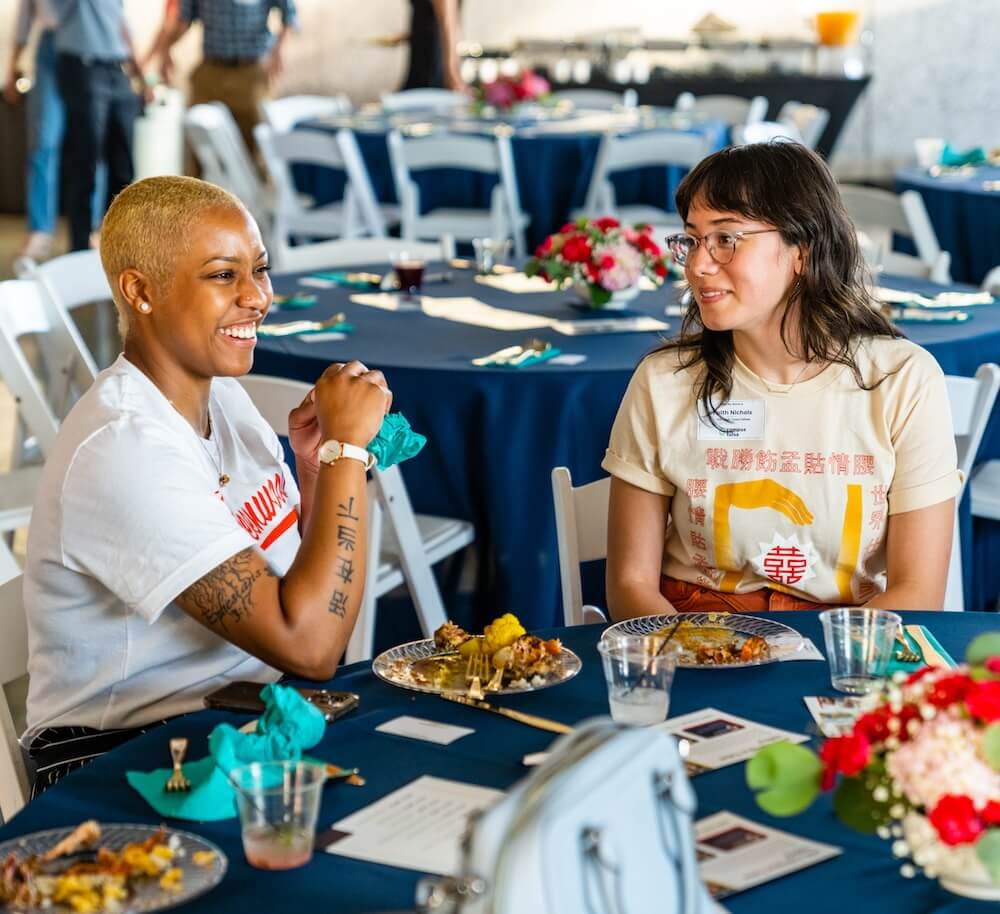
<point x="95" y="868"/>
<point x="514" y="660"/>
<point x="708" y="640"/>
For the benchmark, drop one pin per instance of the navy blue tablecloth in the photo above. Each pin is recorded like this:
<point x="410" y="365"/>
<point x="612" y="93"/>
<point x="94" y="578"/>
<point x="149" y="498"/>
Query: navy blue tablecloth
<point x="866" y="877"/>
<point x="965" y="216"/>
<point x="494" y="435"/>
<point x="553" y="173"/>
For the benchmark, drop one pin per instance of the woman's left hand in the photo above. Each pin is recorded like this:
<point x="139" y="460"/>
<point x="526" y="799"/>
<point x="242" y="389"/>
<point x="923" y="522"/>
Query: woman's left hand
<point x="304" y="433"/>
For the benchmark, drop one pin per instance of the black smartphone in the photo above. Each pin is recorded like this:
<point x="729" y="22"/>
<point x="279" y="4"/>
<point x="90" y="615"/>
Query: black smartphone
<point x="245" y="696"/>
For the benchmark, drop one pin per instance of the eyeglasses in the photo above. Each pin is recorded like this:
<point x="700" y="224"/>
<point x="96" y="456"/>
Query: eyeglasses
<point x="721" y="246"/>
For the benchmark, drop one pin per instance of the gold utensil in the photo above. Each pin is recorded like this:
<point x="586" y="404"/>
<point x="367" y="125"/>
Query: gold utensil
<point x="905" y="654"/>
<point x="495" y="683"/>
<point x="477" y="670"/>
<point x="347" y="775"/>
<point x="932" y="656"/>
<point x="300" y="326"/>
<point x="177" y="782"/>
<point x="530" y="348"/>
<point x="530" y="720"/>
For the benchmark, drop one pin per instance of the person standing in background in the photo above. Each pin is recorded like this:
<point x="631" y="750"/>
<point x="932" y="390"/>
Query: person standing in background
<point x="94" y="48"/>
<point x="433" y="40"/>
<point x="241" y="57"/>
<point x="46" y="121"/>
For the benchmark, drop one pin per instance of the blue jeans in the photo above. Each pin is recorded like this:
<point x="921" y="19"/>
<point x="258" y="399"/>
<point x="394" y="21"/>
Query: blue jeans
<point x="46" y="124"/>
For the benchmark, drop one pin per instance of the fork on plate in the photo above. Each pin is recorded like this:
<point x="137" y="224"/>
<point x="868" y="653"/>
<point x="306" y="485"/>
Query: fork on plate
<point x="477" y="670"/>
<point x="178" y="782"/>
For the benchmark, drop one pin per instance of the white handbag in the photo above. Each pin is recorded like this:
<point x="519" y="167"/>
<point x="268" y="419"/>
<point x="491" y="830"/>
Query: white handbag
<point x="604" y="826"/>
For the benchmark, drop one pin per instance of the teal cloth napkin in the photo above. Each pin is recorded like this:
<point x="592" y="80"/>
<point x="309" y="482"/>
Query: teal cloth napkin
<point x="533" y="360"/>
<point x="896" y="667"/>
<point x="395" y="441"/>
<point x="952" y="157"/>
<point x="288" y="725"/>
<point x="293" y="302"/>
<point x="344" y="280"/>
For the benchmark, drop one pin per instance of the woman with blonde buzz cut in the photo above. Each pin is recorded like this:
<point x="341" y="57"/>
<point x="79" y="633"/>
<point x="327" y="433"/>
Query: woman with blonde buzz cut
<point x="171" y="551"/>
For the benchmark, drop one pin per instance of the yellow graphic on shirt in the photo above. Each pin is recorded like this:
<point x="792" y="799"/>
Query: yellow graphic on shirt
<point x="766" y="493"/>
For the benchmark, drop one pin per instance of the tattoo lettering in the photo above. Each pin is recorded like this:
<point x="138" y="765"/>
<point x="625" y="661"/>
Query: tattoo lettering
<point x="346" y="511"/>
<point x="338" y="604"/>
<point x="346" y="537"/>
<point x="224" y="594"/>
<point x="345" y="569"/>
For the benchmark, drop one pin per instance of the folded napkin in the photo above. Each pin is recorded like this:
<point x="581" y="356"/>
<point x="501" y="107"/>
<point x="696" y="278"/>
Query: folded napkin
<point x="293" y="302"/>
<point x="288" y="725"/>
<point x="348" y="280"/>
<point x="395" y="441"/>
<point x="896" y="667"/>
<point x="952" y="157"/>
<point x="549" y="353"/>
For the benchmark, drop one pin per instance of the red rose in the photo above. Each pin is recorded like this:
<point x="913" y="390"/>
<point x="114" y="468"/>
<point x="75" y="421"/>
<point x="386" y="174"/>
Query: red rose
<point x="606" y="222"/>
<point x="593" y="273"/>
<point x="647" y="245"/>
<point x="956" y="820"/>
<point x="874" y="726"/>
<point x="544" y="275"/>
<point x="568" y="228"/>
<point x="990" y="813"/>
<point x="917" y="675"/>
<point x="993" y="665"/>
<point x="949" y="690"/>
<point x="845" y="755"/>
<point x="660" y="270"/>
<point x="577" y="249"/>
<point x="983" y="700"/>
<point x="543" y="249"/>
<point x="645" y="228"/>
<point x="607" y="261"/>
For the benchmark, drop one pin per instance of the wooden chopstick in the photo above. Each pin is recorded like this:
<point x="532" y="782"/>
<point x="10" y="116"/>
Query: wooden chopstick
<point x="530" y="720"/>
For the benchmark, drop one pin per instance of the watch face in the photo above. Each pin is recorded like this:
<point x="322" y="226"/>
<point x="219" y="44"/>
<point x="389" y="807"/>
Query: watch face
<point x="329" y="450"/>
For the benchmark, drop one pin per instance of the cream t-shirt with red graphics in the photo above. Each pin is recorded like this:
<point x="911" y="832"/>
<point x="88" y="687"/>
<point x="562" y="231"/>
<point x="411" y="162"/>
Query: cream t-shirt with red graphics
<point x="795" y="490"/>
<point x="130" y="513"/>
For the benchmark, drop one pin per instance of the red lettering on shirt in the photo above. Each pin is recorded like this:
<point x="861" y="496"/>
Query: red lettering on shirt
<point x="698" y="540"/>
<point x="815" y="464"/>
<point x="864" y="465"/>
<point x="697" y="488"/>
<point x="262" y="507"/>
<point x="696" y="515"/>
<point x="743" y="458"/>
<point x="839" y="463"/>
<point x="767" y="462"/>
<point x="877" y="516"/>
<point x="879" y="494"/>
<point x="790" y="462"/>
<point x="785" y="564"/>
<point x="716" y="458"/>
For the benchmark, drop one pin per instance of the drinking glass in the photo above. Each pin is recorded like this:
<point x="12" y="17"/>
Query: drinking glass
<point x="278" y="804"/>
<point x="638" y="670"/>
<point x="928" y="150"/>
<point x="859" y="645"/>
<point x="410" y="273"/>
<point x="489" y="252"/>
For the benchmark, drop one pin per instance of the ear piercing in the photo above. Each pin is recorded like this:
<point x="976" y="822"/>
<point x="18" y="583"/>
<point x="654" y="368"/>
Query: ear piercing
<point x="145" y="307"/>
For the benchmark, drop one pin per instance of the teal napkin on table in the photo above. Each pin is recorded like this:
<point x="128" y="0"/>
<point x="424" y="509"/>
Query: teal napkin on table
<point x="395" y="441"/>
<point x="896" y="667"/>
<point x="344" y="279"/>
<point x="952" y="157"/>
<point x="288" y="725"/>
<point x="532" y="360"/>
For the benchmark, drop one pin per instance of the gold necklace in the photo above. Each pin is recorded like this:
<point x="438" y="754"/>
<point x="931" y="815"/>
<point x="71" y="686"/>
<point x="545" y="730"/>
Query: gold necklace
<point x="223" y="477"/>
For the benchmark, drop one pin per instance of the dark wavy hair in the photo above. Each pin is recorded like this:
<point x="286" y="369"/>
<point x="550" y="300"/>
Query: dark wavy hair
<point x="790" y="187"/>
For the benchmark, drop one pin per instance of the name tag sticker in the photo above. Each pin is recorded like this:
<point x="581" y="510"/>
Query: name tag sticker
<point x="739" y="419"/>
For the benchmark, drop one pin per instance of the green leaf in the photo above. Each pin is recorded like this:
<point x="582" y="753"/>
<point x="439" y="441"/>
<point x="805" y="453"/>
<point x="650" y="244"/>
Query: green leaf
<point x="991" y="745"/>
<point x="988" y="852"/>
<point x="532" y="267"/>
<point x="981" y="674"/>
<point x="599" y="296"/>
<point x="982" y="648"/>
<point x="786" y="778"/>
<point x="855" y="806"/>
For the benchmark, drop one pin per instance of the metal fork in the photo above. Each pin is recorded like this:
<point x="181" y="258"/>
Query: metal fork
<point x="529" y="349"/>
<point x="177" y="782"/>
<point x="293" y="327"/>
<point x="905" y="654"/>
<point x="477" y="670"/>
<point x="495" y="683"/>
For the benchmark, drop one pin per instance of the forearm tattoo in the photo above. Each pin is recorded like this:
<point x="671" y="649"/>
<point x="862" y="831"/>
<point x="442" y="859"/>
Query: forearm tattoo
<point x="347" y="537"/>
<point x="224" y="595"/>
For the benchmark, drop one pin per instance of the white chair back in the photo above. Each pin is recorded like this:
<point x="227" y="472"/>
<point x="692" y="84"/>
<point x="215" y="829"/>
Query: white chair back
<point x="765" y="132"/>
<point x="582" y="535"/>
<point x="879" y="214"/>
<point x="14" y="784"/>
<point x="991" y="283"/>
<point x="971" y="401"/>
<point x="284" y="113"/>
<point x="423" y="100"/>
<point x="598" y="99"/>
<point x="357" y="251"/>
<point x="733" y="109"/>
<point x="808" y="120"/>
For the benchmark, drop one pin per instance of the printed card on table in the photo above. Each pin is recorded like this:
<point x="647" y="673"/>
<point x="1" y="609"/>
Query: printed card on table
<point x="735" y="854"/>
<point x="835" y="716"/>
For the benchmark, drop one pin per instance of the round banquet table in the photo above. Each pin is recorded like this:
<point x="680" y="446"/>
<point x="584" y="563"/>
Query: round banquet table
<point x="553" y="163"/>
<point x="495" y="434"/>
<point x="965" y="212"/>
<point x="865" y="876"/>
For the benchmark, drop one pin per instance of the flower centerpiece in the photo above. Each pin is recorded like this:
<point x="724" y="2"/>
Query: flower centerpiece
<point x="920" y="768"/>
<point x="506" y="92"/>
<point x="603" y="260"/>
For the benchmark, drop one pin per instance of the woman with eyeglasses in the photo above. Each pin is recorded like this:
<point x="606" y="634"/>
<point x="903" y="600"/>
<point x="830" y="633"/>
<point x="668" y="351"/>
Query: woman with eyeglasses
<point x="788" y="449"/>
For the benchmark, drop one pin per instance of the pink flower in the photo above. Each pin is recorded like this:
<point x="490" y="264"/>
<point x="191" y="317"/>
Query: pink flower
<point x="532" y="85"/>
<point x="500" y="93"/>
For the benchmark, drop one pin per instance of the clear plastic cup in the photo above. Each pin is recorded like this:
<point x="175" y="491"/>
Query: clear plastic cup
<point x="489" y="252"/>
<point x="928" y="151"/>
<point x="859" y="645"/>
<point x="278" y="804"/>
<point x="638" y="670"/>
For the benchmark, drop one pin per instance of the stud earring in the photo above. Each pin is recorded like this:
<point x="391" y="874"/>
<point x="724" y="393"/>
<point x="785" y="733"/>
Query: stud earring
<point x="145" y="307"/>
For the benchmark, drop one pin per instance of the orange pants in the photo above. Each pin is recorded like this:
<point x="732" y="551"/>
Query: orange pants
<point x="691" y="598"/>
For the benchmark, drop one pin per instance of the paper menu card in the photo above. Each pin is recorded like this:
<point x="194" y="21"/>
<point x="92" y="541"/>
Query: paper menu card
<point x="835" y="716"/>
<point x="517" y="283"/>
<point x="467" y="310"/>
<point x="591" y="325"/>
<point x="735" y="854"/>
<point x="715" y="739"/>
<point x="417" y="827"/>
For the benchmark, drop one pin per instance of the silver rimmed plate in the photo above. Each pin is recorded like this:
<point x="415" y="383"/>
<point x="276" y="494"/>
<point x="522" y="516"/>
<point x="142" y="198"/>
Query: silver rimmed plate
<point x="145" y="894"/>
<point x="422" y="667"/>
<point x="712" y="630"/>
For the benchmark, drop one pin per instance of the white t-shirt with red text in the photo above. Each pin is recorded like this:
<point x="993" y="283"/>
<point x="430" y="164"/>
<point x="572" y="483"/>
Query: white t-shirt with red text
<point x="129" y="514"/>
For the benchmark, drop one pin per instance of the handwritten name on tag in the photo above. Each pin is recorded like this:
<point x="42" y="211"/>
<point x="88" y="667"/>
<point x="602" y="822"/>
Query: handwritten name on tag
<point x="740" y="419"/>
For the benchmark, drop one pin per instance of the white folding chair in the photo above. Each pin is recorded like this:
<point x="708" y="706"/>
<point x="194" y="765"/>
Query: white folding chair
<point x="991" y="283"/>
<point x="402" y="546"/>
<point x="284" y="113"/>
<point x="598" y="99"/>
<point x="489" y="155"/>
<point x="582" y="534"/>
<point x="350" y="252"/>
<point x="14" y="783"/>
<point x="809" y="121"/>
<point x="358" y="213"/>
<point x="971" y="401"/>
<point x="639" y="150"/>
<point x="765" y="132"/>
<point x="422" y="100"/>
<point x="733" y="109"/>
<point x="879" y="214"/>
